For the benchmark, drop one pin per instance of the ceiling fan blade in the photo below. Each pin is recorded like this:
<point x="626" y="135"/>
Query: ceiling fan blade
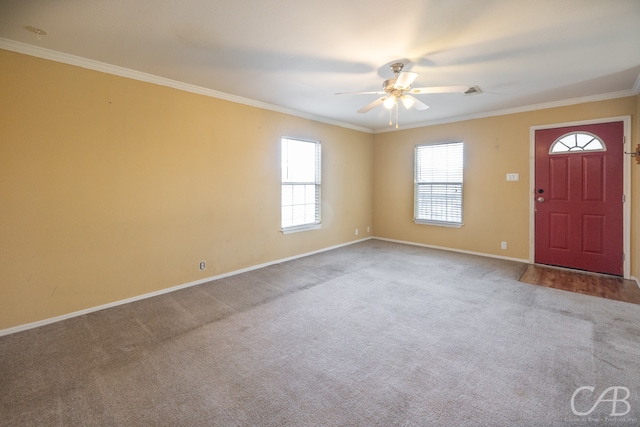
<point x="405" y="79"/>
<point x="361" y="93"/>
<point x="371" y="106"/>
<point x="439" y="89"/>
<point x="409" y="101"/>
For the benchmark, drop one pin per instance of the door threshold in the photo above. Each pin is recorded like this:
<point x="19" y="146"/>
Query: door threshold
<point x="582" y="282"/>
<point x="575" y="270"/>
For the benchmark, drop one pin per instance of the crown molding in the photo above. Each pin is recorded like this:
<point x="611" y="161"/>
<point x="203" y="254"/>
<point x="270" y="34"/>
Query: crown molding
<point x="636" y="86"/>
<point x="90" y="64"/>
<point x="103" y="67"/>
<point x="524" y="109"/>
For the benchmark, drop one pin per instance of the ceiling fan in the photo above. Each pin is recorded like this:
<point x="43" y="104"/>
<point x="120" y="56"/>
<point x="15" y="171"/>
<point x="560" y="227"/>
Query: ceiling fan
<point x="399" y="88"/>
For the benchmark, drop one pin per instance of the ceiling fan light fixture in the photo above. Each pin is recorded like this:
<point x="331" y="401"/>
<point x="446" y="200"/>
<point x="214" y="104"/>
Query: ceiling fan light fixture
<point x="407" y="101"/>
<point x="398" y="89"/>
<point x="389" y="102"/>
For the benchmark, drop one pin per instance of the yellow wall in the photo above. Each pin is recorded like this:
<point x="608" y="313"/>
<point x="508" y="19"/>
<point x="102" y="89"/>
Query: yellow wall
<point x="494" y="210"/>
<point x="111" y="188"/>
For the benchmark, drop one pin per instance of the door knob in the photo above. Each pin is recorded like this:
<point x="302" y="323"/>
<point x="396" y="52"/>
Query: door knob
<point x="541" y="199"/>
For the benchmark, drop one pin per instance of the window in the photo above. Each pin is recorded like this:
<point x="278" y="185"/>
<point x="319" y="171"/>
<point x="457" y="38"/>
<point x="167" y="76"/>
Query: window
<point x="577" y="141"/>
<point x="300" y="185"/>
<point x="438" y="184"/>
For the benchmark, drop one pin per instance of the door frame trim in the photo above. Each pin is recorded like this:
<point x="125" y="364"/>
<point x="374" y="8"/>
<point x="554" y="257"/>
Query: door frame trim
<point x="626" y="176"/>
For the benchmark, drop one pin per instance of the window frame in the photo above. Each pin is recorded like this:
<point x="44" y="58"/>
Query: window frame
<point x="317" y="183"/>
<point x="577" y="148"/>
<point x="417" y="216"/>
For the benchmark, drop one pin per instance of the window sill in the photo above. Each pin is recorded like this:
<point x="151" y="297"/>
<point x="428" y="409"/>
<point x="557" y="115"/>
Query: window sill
<point x="439" y="223"/>
<point x="299" y="228"/>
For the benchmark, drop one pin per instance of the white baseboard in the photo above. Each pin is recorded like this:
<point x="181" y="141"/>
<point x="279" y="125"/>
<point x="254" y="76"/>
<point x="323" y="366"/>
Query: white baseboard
<point x="442" y="248"/>
<point x="526" y="261"/>
<point x="48" y="321"/>
<point x="27" y="326"/>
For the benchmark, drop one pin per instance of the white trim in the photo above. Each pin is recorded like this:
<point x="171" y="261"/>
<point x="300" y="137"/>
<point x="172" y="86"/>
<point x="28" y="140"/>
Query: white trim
<point x="636" y="86"/>
<point x="442" y="248"/>
<point x="300" y="228"/>
<point x="90" y="64"/>
<point x="626" y="173"/>
<point x="115" y="70"/>
<point x="438" y="223"/>
<point x="48" y="321"/>
<point x="524" y="109"/>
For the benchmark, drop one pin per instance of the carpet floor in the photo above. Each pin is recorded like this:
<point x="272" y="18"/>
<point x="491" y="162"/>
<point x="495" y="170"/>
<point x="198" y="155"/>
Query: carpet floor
<point x="372" y="334"/>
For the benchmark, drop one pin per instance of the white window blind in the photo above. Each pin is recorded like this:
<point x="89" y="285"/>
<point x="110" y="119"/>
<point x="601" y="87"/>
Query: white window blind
<point x="438" y="184"/>
<point x="300" y="185"/>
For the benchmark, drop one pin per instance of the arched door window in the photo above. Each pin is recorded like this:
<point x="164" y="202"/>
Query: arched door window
<point x="577" y="142"/>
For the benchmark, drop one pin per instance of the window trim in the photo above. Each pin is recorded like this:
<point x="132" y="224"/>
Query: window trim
<point x="318" y="183"/>
<point x="581" y="148"/>
<point x="302" y="227"/>
<point x="441" y="223"/>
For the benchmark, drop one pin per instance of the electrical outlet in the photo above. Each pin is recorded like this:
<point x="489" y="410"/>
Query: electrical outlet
<point x="203" y="265"/>
<point x="503" y="245"/>
<point x="356" y="231"/>
<point x="368" y="229"/>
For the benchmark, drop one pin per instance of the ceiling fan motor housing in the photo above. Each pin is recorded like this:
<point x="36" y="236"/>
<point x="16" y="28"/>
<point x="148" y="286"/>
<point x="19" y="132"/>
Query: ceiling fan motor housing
<point x="389" y="84"/>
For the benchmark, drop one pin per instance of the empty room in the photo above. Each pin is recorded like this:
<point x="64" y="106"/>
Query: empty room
<point x="319" y="213"/>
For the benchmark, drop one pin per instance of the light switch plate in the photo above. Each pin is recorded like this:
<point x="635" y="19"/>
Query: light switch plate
<point x="513" y="177"/>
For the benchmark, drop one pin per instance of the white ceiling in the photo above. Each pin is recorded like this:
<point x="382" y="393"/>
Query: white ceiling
<point x="296" y="54"/>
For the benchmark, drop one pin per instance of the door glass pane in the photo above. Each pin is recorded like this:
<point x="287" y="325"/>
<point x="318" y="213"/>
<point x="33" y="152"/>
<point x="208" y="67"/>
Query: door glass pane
<point x="577" y="142"/>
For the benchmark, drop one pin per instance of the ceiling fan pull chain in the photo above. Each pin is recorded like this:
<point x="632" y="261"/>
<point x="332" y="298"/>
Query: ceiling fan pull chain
<point x="396" y="115"/>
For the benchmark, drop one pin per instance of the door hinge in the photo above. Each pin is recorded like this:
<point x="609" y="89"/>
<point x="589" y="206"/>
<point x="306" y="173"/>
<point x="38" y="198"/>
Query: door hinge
<point x="623" y="257"/>
<point x="624" y="198"/>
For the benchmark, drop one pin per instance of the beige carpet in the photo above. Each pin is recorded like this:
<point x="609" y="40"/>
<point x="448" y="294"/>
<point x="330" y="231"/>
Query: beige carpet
<point x="374" y="334"/>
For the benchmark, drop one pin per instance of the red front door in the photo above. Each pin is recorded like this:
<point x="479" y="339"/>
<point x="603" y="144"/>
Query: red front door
<point x="579" y="197"/>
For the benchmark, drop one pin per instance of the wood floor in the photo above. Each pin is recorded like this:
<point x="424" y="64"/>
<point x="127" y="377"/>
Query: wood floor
<point x="589" y="284"/>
